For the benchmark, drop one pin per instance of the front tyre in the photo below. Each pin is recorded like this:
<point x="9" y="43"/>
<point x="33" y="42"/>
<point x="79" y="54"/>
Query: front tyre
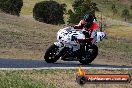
<point x="51" y="54"/>
<point x="89" y="55"/>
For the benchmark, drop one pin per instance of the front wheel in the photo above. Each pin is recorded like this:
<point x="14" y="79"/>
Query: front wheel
<point x="51" y="54"/>
<point x="89" y="55"/>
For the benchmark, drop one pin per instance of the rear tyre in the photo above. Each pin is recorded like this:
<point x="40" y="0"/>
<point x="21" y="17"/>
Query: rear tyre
<point x="89" y="55"/>
<point x="51" y="54"/>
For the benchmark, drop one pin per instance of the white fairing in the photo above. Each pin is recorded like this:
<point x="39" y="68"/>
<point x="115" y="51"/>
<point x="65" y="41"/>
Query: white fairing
<point x="67" y="37"/>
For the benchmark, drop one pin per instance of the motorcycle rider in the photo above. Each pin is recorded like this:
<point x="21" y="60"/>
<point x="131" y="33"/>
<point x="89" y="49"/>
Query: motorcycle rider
<point x="88" y="23"/>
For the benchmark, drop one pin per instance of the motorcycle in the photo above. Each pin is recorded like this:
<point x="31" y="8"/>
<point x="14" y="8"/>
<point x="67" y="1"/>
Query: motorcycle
<point x="73" y="45"/>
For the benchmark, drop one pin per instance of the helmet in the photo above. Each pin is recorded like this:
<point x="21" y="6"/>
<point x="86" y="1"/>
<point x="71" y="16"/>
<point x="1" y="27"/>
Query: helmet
<point x="88" y="18"/>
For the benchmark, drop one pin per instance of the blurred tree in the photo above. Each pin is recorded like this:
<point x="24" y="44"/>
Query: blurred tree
<point x="114" y="10"/>
<point x="81" y="7"/>
<point x="50" y="12"/>
<point x="12" y="7"/>
<point x="131" y="7"/>
<point x="125" y="14"/>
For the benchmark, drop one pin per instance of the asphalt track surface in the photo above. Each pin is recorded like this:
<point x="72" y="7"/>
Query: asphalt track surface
<point x="21" y="64"/>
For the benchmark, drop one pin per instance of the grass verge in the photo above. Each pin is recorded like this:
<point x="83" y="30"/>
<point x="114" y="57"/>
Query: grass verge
<point x="54" y="79"/>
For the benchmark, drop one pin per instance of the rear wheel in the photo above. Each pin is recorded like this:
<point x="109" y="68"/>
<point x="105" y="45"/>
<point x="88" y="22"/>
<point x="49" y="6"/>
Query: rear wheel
<point x="89" y="55"/>
<point x="51" y="54"/>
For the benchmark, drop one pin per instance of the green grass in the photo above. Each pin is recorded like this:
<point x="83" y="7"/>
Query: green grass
<point x="116" y="45"/>
<point x="13" y="79"/>
<point x="118" y="38"/>
<point x="53" y="79"/>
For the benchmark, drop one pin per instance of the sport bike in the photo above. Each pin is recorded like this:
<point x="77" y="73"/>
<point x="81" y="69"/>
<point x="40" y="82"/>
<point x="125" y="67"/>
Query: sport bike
<point x="72" y="45"/>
